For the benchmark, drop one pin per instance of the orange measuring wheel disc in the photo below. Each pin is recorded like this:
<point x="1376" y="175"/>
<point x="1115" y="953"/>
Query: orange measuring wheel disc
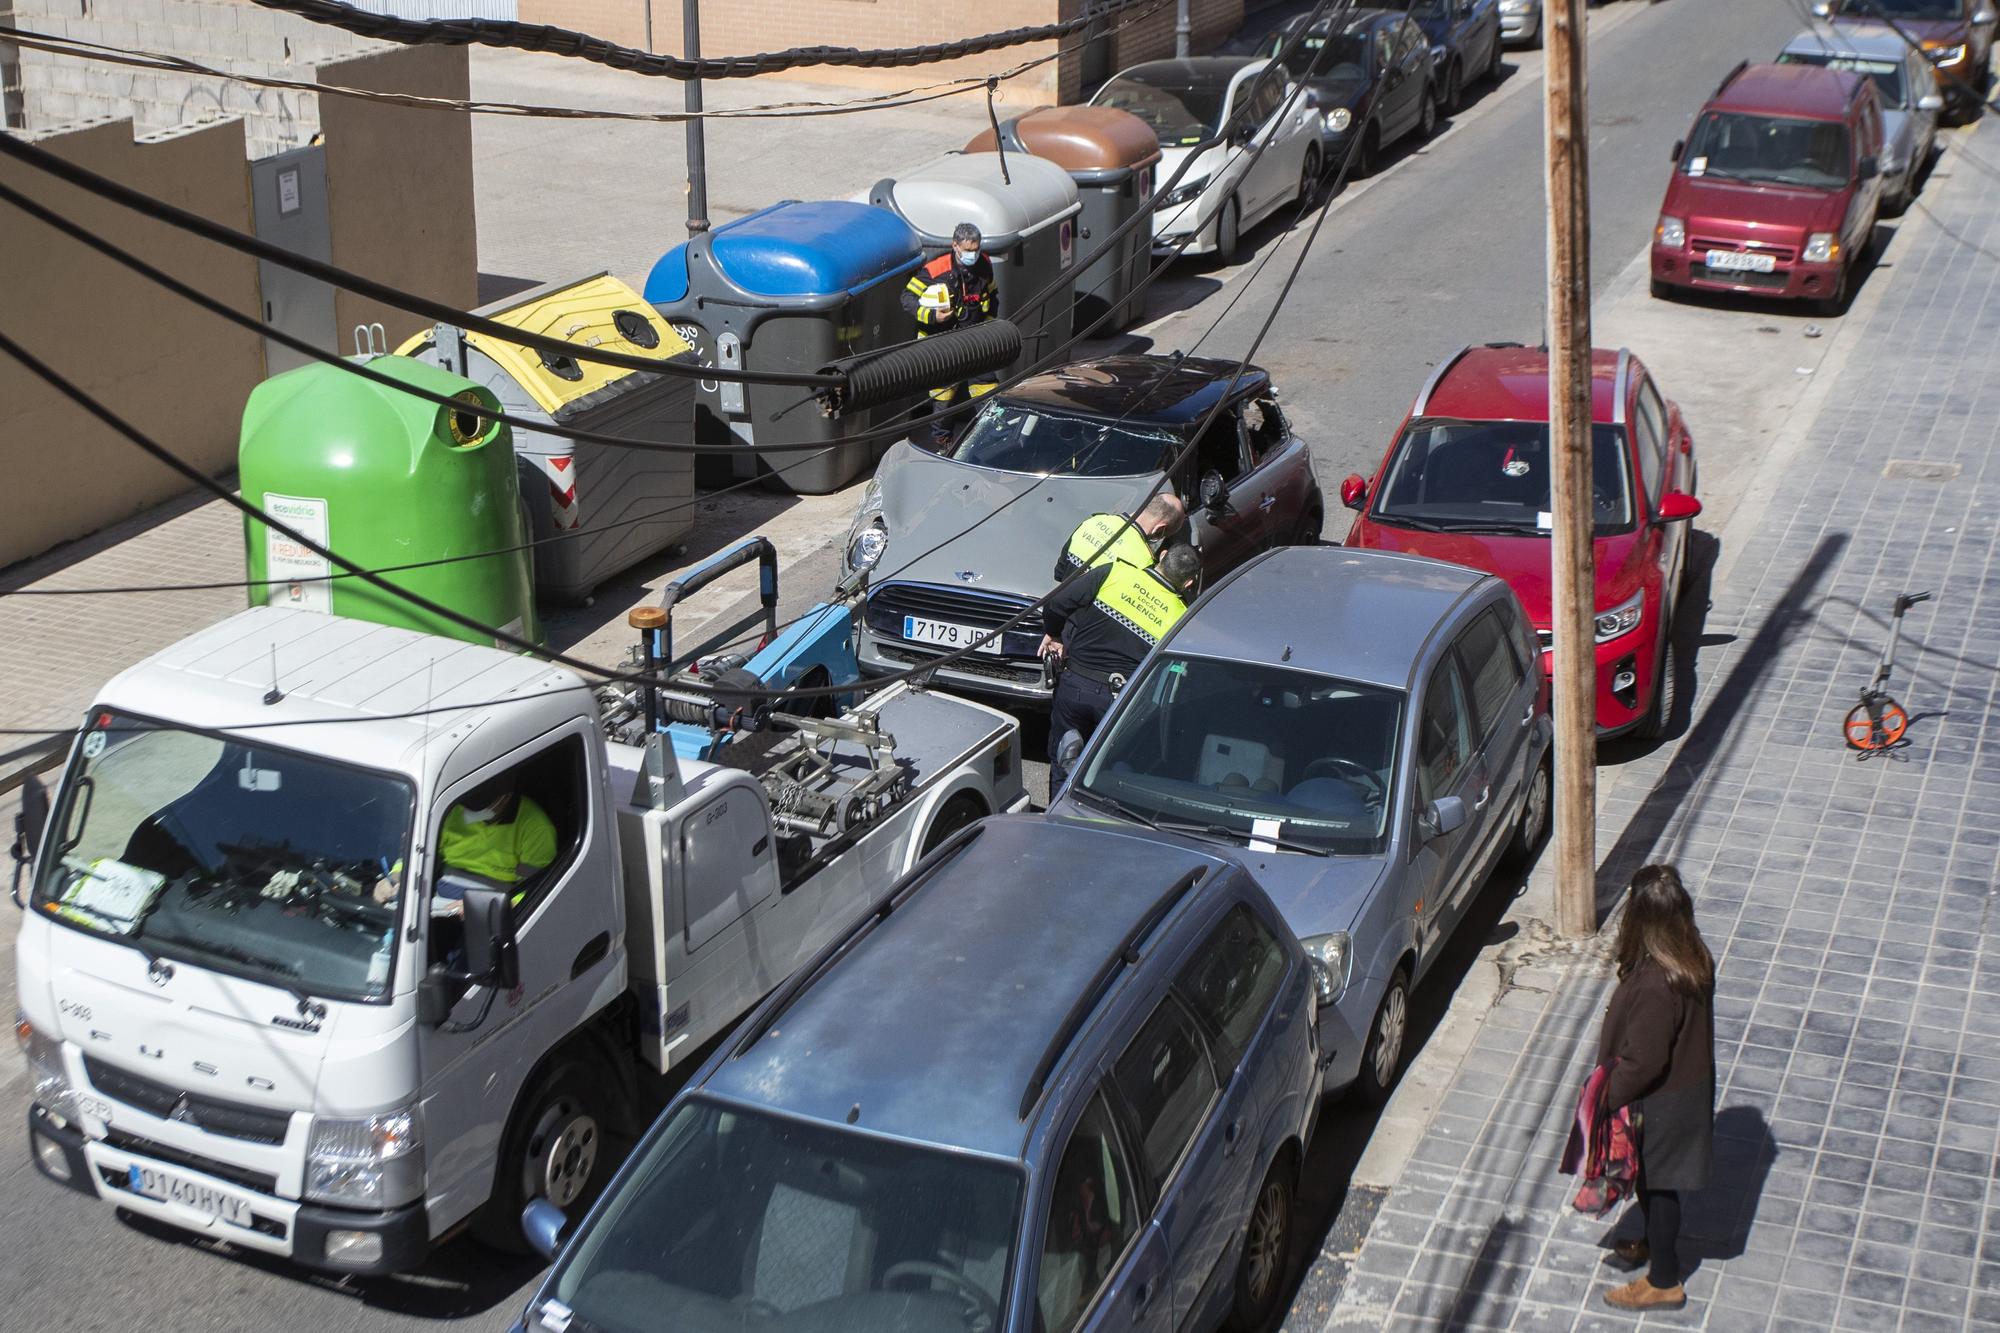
<point x="1865" y="733"/>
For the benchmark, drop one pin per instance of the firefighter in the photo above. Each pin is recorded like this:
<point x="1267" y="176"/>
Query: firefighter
<point x="1105" y="537"/>
<point x="953" y="291"/>
<point x="1102" y="624"/>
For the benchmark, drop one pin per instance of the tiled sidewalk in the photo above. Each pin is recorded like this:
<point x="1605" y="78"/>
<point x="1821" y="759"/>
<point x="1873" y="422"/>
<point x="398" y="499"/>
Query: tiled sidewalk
<point x="1850" y="903"/>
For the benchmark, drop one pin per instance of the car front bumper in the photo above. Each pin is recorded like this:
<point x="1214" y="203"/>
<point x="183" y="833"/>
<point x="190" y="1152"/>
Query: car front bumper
<point x="1010" y="679"/>
<point x="296" y="1231"/>
<point x="1789" y="280"/>
<point x="1627" y="671"/>
<point x="1173" y="225"/>
<point x="1520" y="25"/>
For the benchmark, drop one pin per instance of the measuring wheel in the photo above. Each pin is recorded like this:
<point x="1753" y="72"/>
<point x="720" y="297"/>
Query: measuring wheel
<point x="1876" y="725"/>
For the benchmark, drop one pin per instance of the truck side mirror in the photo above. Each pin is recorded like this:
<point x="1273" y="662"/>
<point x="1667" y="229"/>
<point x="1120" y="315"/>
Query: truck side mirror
<point x="542" y="1223"/>
<point x="29" y="822"/>
<point x="492" y="957"/>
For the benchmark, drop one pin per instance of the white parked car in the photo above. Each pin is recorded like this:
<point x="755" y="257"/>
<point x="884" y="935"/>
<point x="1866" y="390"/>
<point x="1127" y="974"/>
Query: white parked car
<point x="1230" y="186"/>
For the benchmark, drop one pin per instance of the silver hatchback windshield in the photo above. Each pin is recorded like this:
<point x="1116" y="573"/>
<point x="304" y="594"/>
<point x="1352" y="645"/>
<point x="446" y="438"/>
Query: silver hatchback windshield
<point x="731" y="1219"/>
<point x="1252" y="753"/>
<point x="257" y="861"/>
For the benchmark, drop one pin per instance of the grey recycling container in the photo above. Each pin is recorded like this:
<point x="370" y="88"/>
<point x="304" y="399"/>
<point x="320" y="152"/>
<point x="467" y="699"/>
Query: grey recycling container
<point x="1110" y="155"/>
<point x="792" y="287"/>
<point x="1028" y="219"/>
<point x="593" y="510"/>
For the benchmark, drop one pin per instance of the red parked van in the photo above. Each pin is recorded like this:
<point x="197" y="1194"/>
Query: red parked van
<point x="1467" y="481"/>
<point x="1776" y="189"/>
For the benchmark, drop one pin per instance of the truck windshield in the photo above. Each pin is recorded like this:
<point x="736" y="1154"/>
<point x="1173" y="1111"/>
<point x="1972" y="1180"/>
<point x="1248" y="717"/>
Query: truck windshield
<point x="1246" y="751"/>
<point x="261" y="862"/>
<point x="731" y="1219"/>
<point x="1022" y="439"/>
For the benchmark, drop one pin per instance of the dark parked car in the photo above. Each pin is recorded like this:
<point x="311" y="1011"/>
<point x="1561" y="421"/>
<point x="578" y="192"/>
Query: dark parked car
<point x="1465" y="44"/>
<point x="955" y="543"/>
<point x="1370" y="73"/>
<point x="1370" y="733"/>
<point x="1061" y="1078"/>
<point x="1956" y="37"/>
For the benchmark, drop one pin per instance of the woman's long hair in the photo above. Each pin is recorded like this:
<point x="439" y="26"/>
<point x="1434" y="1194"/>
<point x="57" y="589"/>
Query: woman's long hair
<point x="1659" y="924"/>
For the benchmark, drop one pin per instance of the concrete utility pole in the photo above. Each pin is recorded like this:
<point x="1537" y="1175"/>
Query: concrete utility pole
<point x="1572" y="624"/>
<point x="1183" y="29"/>
<point x="697" y="147"/>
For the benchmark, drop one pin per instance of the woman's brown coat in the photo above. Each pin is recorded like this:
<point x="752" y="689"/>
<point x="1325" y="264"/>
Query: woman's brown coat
<point x="1664" y="1040"/>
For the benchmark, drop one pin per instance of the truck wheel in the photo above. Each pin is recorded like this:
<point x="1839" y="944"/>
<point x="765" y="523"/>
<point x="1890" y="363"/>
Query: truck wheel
<point x="556" y="1148"/>
<point x="961" y="810"/>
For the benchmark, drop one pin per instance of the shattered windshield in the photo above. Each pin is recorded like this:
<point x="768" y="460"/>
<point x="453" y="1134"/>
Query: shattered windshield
<point x="1025" y="439"/>
<point x="261" y="862"/>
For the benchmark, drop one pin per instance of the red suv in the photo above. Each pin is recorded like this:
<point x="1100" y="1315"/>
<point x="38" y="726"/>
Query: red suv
<point x="1467" y="481"/>
<point x="1776" y="189"/>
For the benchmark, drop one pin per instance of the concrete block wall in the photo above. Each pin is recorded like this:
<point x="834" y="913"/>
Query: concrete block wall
<point x="744" y="27"/>
<point x="228" y="34"/>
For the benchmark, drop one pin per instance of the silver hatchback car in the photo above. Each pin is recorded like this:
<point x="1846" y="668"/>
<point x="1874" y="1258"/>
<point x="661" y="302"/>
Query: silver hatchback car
<point x="1910" y="100"/>
<point x="1371" y="731"/>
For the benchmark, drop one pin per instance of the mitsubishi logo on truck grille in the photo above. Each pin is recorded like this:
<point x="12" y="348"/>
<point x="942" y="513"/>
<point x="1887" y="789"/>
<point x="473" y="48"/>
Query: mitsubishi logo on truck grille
<point x="181" y="1115"/>
<point x="159" y="971"/>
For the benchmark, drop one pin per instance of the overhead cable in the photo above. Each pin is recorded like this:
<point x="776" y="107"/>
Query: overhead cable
<point x="550" y="40"/>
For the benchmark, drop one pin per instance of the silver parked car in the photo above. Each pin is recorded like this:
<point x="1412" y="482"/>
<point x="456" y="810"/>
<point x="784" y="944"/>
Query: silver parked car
<point x="1908" y="88"/>
<point x="953" y="544"/>
<point x="1373" y="728"/>
<point x="1521" y="22"/>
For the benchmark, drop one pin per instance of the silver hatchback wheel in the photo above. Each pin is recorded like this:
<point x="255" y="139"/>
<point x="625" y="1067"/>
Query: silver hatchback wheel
<point x="1392" y="1024"/>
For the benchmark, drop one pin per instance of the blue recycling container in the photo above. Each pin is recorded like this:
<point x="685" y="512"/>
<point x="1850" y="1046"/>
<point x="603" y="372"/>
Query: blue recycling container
<point x="790" y="288"/>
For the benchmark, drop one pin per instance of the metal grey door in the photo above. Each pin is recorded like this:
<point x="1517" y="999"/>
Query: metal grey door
<point x="288" y="203"/>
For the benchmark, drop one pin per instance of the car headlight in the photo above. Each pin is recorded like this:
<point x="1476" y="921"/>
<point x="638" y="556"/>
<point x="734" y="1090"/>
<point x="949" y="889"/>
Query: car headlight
<point x="1822" y="247"/>
<point x="47" y="1078"/>
<point x="1332" y="959"/>
<point x="1621" y="619"/>
<point x="1947" y="55"/>
<point x="1184" y="192"/>
<point x="865" y="548"/>
<point x="376" y="1161"/>
<point x="1672" y="232"/>
<point x="1338" y="119"/>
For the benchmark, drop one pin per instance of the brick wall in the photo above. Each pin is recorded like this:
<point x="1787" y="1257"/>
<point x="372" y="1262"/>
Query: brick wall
<point x="744" y="27"/>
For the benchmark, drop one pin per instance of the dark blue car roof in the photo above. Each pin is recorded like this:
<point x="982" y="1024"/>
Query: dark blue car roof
<point x="934" y="1023"/>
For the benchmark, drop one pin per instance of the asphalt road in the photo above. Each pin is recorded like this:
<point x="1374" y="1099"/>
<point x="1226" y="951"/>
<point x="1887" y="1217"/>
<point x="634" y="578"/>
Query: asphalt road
<point x="1444" y="247"/>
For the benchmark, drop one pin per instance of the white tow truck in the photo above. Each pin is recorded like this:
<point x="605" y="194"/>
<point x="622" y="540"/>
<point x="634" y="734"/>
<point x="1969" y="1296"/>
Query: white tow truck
<point x="258" y="1005"/>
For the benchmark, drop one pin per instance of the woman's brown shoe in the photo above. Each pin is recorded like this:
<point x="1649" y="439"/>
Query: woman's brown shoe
<point x="1641" y="1294"/>
<point x="1631" y="1253"/>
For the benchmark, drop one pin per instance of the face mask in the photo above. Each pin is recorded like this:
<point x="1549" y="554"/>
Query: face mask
<point x="481" y="816"/>
<point x="968" y="258"/>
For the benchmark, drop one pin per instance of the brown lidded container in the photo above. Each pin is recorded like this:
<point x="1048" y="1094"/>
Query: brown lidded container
<point x="1110" y="155"/>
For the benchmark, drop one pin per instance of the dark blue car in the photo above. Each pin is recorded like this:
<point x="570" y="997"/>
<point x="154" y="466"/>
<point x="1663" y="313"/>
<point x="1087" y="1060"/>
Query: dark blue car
<point x="1465" y="44"/>
<point x="1369" y="71"/>
<point x="1060" y="1078"/>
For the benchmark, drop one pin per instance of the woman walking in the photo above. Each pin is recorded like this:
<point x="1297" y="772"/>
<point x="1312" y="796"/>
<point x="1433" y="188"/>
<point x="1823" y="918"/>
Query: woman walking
<point x="1660" y="1028"/>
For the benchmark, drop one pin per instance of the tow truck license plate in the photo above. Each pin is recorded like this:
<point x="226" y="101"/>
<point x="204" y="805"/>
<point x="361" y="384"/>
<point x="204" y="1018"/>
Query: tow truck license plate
<point x="947" y="635"/>
<point x="1742" y="262"/>
<point x="167" y="1188"/>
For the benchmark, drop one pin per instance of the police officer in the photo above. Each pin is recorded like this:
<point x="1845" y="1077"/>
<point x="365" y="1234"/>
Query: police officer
<point x="1102" y="623"/>
<point x="1105" y="537"/>
<point x="953" y="291"/>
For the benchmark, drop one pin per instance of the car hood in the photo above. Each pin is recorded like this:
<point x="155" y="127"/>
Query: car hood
<point x="1524" y="562"/>
<point x="1729" y="210"/>
<point x="1003" y="529"/>
<point x="1207" y="162"/>
<point x="1316" y="894"/>
<point x="1940" y="32"/>
<point x="1332" y="93"/>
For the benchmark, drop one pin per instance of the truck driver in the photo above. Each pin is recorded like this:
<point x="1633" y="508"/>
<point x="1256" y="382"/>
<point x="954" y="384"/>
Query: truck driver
<point x="498" y="834"/>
